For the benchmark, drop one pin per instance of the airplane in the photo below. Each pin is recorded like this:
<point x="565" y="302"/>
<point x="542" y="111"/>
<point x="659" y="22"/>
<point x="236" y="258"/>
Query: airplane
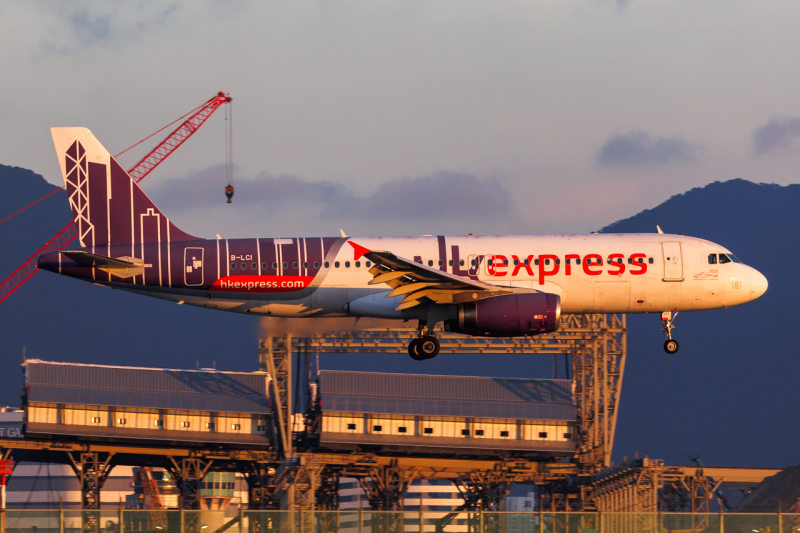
<point x="499" y="286"/>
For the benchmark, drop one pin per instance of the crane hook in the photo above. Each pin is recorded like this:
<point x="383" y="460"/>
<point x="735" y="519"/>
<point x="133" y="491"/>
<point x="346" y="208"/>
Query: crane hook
<point x="229" y="192"/>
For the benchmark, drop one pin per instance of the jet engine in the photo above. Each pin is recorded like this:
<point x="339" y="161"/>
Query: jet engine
<point x="513" y="315"/>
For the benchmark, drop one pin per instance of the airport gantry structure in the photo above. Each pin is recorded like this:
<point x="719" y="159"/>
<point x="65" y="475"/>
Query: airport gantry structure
<point x="93" y="418"/>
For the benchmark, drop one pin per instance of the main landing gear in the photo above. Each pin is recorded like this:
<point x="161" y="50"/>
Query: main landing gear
<point x="670" y="345"/>
<point x="425" y="346"/>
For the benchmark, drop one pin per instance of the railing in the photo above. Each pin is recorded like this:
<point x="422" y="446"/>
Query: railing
<point x="241" y="521"/>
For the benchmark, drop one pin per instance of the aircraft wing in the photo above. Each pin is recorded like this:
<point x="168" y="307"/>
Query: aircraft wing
<point x="415" y="281"/>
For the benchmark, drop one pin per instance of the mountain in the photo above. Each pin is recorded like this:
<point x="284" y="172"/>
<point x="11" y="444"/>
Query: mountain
<point x="728" y="394"/>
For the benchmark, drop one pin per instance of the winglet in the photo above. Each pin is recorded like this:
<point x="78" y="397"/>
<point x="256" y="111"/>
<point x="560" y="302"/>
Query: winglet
<point x="344" y="235"/>
<point x="359" y="251"/>
<point x="659" y="229"/>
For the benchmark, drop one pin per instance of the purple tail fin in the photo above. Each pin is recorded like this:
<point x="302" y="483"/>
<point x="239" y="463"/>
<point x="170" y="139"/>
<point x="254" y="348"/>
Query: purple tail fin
<point x="109" y="208"/>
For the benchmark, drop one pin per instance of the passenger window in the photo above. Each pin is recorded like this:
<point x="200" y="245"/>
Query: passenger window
<point x="461" y="263"/>
<point x="546" y="261"/>
<point x="286" y="265"/>
<point x="489" y="262"/>
<point x="516" y="262"/>
<point x="368" y="264"/>
<point x="724" y="259"/>
<point x="558" y="261"/>
<point x="472" y="262"/>
<point x="641" y="260"/>
<point x="566" y="261"/>
<point x="244" y="266"/>
<point x="526" y="262"/>
<point x="305" y="265"/>
<point x="347" y="264"/>
<point x="450" y="262"/>
<point x="441" y="263"/>
<point x="630" y="261"/>
<point x="263" y="266"/>
<point x="358" y="264"/>
<point x="430" y="262"/>
<point x="536" y="262"/>
<point x="294" y="265"/>
<point x="253" y="266"/>
<point x="233" y="266"/>
<point x="274" y="265"/>
<point x="577" y="261"/>
<point x="505" y="262"/>
<point x="327" y="264"/>
<point x="316" y="264"/>
<point x="712" y="259"/>
<point x="650" y="260"/>
<point x="336" y="264"/>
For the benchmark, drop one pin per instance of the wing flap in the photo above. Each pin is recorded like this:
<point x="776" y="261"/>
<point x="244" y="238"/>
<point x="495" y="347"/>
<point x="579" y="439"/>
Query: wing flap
<point x="123" y="267"/>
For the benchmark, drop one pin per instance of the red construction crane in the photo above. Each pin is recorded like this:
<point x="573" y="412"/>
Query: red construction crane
<point x="141" y="169"/>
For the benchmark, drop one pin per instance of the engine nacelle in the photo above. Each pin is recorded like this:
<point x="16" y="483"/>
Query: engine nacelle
<point x="513" y="315"/>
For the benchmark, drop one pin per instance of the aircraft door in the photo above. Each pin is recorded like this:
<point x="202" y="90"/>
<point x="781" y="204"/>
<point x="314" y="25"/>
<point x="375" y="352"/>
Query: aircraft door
<point x="193" y="266"/>
<point x="473" y="265"/>
<point x="673" y="263"/>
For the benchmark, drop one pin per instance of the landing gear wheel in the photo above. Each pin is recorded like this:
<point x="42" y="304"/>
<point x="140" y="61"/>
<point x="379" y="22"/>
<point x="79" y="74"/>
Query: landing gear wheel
<point x="671" y="346"/>
<point x="413" y="348"/>
<point x="428" y="347"/>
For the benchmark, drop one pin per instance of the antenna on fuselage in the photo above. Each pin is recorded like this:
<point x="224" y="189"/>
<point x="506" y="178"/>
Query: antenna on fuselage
<point x="659" y="229"/>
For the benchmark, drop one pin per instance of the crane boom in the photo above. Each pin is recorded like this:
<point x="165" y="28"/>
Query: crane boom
<point x="138" y="172"/>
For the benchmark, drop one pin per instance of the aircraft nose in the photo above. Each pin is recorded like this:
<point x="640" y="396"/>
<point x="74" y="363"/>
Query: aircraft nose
<point x="758" y="284"/>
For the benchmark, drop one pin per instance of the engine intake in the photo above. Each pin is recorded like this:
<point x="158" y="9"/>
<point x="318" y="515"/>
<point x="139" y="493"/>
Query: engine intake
<point x="513" y="315"/>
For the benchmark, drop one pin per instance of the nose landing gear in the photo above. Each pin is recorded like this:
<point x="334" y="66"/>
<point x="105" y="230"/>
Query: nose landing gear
<point x="671" y="346"/>
<point x="425" y="346"/>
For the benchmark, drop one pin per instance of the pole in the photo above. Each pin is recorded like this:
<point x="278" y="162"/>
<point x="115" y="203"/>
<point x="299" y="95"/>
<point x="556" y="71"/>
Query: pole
<point x="360" y="516"/>
<point x="60" y="515"/>
<point x="241" y="517"/>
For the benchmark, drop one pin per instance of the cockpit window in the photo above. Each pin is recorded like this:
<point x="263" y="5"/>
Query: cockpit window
<point x="734" y="258"/>
<point x="712" y="259"/>
<point x="724" y="259"/>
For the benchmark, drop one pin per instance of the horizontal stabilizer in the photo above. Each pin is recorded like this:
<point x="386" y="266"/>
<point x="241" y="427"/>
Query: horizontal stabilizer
<point x="123" y="267"/>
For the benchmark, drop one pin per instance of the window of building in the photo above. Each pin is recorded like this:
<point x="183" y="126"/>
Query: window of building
<point x="479" y="432"/>
<point x="542" y="434"/>
<point x="158" y="423"/>
<point x="261" y="427"/>
<point x="185" y="424"/>
<point x="351" y="426"/>
<point x="347" y="264"/>
<point x="236" y="427"/>
<point x="209" y="425"/>
<point x="465" y="432"/>
<point x="122" y="421"/>
<point x="567" y="435"/>
<point x="504" y="433"/>
<point x="427" y="431"/>
<point x="377" y="428"/>
<point x="402" y="429"/>
<point x="95" y="420"/>
<point x="233" y="266"/>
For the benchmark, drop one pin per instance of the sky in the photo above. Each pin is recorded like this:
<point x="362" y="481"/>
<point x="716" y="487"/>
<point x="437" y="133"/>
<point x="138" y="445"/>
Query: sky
<point x="402" y="117"/>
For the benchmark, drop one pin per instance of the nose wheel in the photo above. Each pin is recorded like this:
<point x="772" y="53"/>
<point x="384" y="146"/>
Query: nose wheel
<point x="671" y="346"/>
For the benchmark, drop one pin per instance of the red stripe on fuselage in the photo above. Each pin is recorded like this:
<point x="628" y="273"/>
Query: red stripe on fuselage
<point x="262" y="283"/>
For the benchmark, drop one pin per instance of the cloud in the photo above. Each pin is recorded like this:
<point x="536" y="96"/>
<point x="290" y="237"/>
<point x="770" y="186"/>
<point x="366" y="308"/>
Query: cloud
<point x="776" y="136"/>
<point x="444" y="195"/>
<point x="639" y="148"/>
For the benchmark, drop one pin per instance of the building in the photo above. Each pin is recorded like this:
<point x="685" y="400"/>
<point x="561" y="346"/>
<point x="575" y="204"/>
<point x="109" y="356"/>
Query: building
<point x="446" y="414"/>
<point x="153" y="404"/>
